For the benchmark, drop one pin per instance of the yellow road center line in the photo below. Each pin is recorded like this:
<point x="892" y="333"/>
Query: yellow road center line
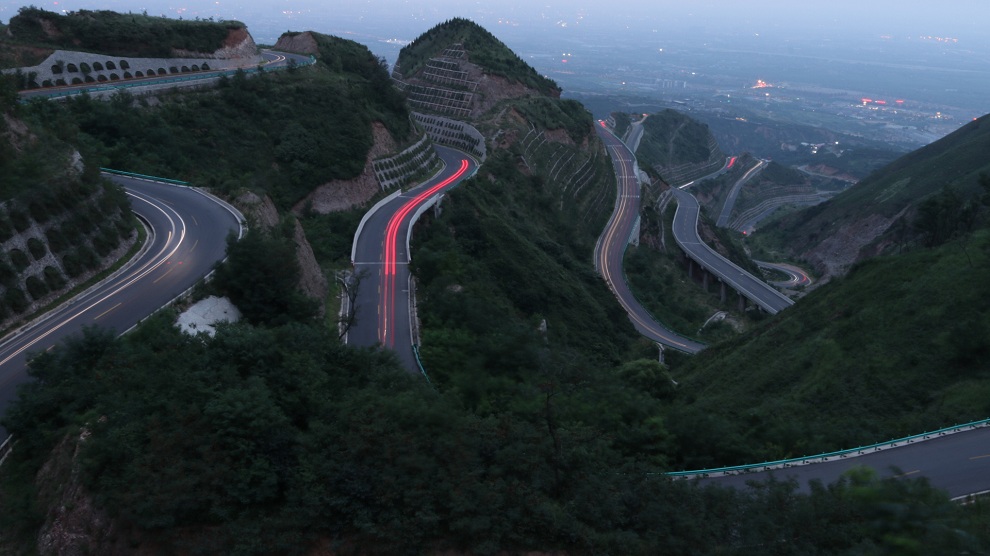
<point x="108" y="310"/>
<point x="163" y="275"/>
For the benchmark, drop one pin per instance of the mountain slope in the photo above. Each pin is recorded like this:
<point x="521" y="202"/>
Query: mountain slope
<point x="898" y="346"/>
<point x="483" y="48"/>
<point x="877" y="214"/>
<point x="678" y="147"/>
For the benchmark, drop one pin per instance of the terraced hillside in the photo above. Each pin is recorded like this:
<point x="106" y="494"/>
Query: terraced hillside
<point x="518" y="239"/>
<point x="678" y="147"/>
<point x="60" y="222"/>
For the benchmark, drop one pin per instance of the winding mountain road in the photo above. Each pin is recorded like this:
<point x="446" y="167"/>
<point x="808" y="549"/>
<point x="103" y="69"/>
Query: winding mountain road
<point x="686" y="235"/>
<point x="612" y="244"/>
<point x="383" y="311"/>
<point x="187" y="237"/>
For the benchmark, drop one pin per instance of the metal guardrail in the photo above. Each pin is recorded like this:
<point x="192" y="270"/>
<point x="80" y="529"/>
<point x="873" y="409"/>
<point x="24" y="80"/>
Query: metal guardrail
<point x="144" y="176"/>
<point x="419" y="362"/>
<point x="819" y="458"/>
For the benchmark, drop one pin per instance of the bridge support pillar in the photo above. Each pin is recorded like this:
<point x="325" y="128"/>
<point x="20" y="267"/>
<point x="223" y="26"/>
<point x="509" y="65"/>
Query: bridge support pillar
<point x="704" y="279"/>
<point x="690" y="269"/>
<point x="742" y="303"/>
<point x="722" y="291"/>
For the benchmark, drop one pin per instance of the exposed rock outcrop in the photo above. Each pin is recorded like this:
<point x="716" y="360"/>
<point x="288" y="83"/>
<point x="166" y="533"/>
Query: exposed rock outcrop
<point x="312" y="281"/>
<point x="302" y="43"/>
<point x="238" y="44"/>
<point x="73" y="524"/>
<point x="261" y="212"/>
<point x="836" y="253"/>
<point x="340" y="195"/>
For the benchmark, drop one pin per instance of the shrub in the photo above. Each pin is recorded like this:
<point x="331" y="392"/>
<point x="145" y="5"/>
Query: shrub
<point x="38" y="211"/>
<point x="36" y="287"/>
<point x="56" y="240"/>
<point x="37" y="248"/>
<point x="6" y="230"/>
<point x="19" y="219"/>
<point x="8" y="276"/>
<point x="19" y="259"/>
<point x="72" y="263"/>
<point x="15" y="299"/>
<point x="53" y="278"/>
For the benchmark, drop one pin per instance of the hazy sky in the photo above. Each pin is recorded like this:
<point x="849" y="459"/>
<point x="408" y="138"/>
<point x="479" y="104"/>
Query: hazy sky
<point x="957" y="18"/>
<point x="749" y="38"/>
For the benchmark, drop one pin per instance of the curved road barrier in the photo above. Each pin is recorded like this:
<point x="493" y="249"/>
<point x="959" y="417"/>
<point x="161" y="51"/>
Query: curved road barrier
<point x="820" y="458"/>
<point x="956" y="459"/>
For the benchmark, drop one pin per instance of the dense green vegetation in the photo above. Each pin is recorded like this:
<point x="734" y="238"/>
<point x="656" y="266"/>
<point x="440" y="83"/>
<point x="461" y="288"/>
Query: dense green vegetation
<point x="500" y="261"/>
<point x="116" y="34"/>
<point x="622" y="123"/>
<point x="897" y="347"/>
<point x="274" y="438"/>
<point x="671" y="138"/>
<point x="280" y="134"/>
<point x="547" y="423"/>
<point x="485" y="50"/>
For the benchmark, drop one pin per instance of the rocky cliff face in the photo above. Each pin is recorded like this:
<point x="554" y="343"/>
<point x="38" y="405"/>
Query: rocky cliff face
<point x="73" y="525"/>
<point x="302" y="43"/>
<point x="261" y="212"/>
<point x="238" y="44"/>
<point x="338" y="195"/>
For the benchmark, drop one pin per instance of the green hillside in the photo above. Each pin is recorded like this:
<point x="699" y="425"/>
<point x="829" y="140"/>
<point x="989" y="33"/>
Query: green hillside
<point x="895" y="191"/>
<point x="672" y="139"/>
<point x="900" y="345"/>
<point x="281" y="133"/>
<point x="484" y="48"/>
<point x="547" y="421"/>
<point x="115" y="34"/>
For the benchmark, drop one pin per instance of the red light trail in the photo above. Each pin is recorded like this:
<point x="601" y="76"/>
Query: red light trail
<point x="386" y="313"/>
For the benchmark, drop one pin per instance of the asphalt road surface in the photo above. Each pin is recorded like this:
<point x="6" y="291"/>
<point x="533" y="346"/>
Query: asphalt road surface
<point x="612" y="243"/>
<point x="797" y="276"/>
<point x="958" y="463"/>
<point x="188" y="237"/>
<point x="381" y="263"/>
<point x="686" y="235"/>
<point x="730" y="200"/>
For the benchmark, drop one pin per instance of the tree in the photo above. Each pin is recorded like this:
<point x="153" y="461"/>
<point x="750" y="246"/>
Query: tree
<point x="261" y="277"/>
